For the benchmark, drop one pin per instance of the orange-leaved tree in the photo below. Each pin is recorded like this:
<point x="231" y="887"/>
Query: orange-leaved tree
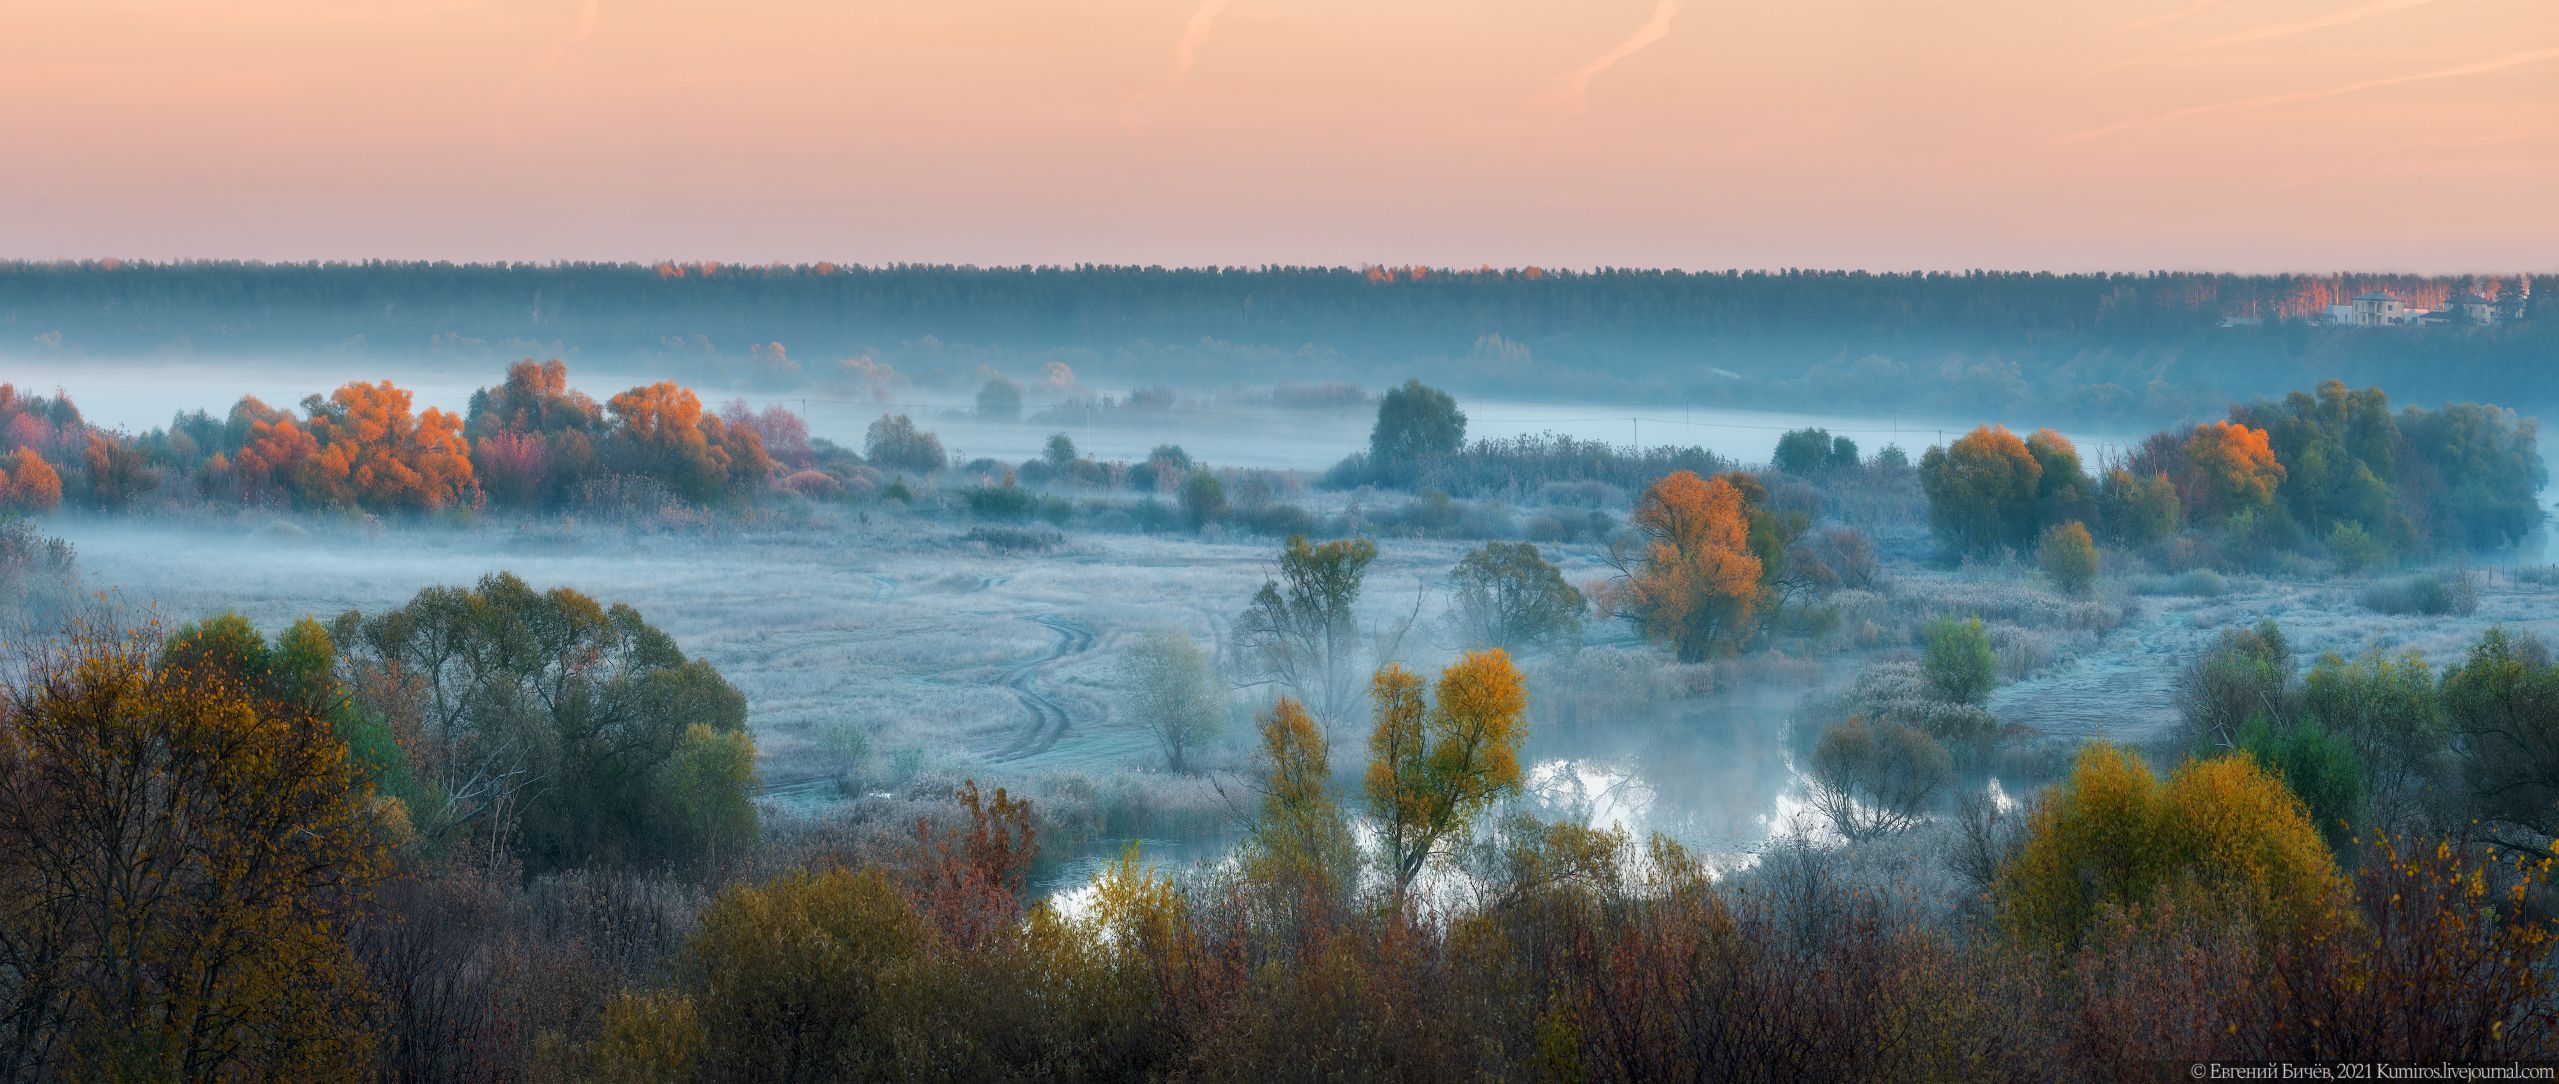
<point x="1689" y="577"/>
<point x="373" y="453"/>
<point x="660" y="431"/>
<point x="2231" y="469"/>
<point x="1984" y="490"/>
<point x="28" y="483"/>
<point x="1433" y="767"/>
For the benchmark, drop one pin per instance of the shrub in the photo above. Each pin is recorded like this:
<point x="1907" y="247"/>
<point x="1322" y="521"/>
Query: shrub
<point x="998" y="502"/>
<point x="2320" y="768"/>
<point x="2247" y="673"/>
<point x="2069" y="558"/>
<point x="1013" y="539"/>
<point x="2433" y="594"/>
<point x="2356" y="550"/>
<point x="1957" y="661"/>
<point x="2221" y="838"/>
<point x="1875" y="779"/>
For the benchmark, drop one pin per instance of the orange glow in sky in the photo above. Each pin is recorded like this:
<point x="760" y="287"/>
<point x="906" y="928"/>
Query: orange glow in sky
<point x="2414" y="135"/>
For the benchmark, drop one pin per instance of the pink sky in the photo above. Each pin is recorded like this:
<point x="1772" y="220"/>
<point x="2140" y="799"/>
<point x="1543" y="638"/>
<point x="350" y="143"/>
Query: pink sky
<point x="2414" y="135"/>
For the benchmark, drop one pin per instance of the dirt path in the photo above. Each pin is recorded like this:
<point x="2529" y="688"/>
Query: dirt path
<point x="1050" y="719"/>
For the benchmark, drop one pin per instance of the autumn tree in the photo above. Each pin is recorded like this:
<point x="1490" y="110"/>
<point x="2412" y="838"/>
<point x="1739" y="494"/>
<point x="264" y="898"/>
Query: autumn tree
<point x="1300" y="847"/>
<point x="660" y="431"/>
<point x="2231" y="470"/>
<point x="1689" y="577"/>
<point x="1983" y="492"/>
<point x="28" y="483"/>
<point x="1434" y="766"/>
<point x="2069" y="558"/>
<point x="2222" y="837"/>
<point x="368" y="451"/>
<point x="1511" y="597"/>
<point x="181" y="858"/>
<point x="1300" y="631"/>
<point x="1172" y="693"/>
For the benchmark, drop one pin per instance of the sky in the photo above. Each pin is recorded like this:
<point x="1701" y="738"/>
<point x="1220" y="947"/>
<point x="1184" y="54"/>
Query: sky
<point x="2245" y="135"/>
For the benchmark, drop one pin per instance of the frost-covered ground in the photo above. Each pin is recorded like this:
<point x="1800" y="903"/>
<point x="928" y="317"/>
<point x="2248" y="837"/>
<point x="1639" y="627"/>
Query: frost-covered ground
<point x="2121" y="689"/>
<point x="900" y="632"/>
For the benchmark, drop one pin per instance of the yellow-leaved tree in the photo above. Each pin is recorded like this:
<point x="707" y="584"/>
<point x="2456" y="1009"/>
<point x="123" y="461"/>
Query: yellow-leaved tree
<point x="180" y="854"/>
<point x="2221" y="837"/>
<point x="1433" y="768"/>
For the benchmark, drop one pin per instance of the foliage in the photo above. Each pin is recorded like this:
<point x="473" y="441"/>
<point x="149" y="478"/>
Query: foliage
<point x="1203" y="499"/>
<point x="1957" y="660"/>
<point x="2246" y="674"/>
<point x="1807" y="452"/>
<point x="1300" y="846"/>
<point x="1875" y="779"/>
<point x="2221" y="837"/>
<point x="2434" y="594"/>
<point x="1508" y="596"/>
<point x="2069" y="558"/>
<point x="545" y="722"/>
<point x="2389" y="711"/>
<point x="1983" y="492"/>
<point x="1300" y="632"/>
<point x="2320" y="768"/>
<point x="660" y="431"/>
<point x="1172" y="693"/>
<point x="2139" y="511"/>
<point x="1689" y="576"/>
<point x="893" y="443"/>
<point x="181" y="853"/>
<point x="1435" y="766"/>
<point x="28" y="483"/>
<point x="1415" y="423"/>
<point x="2232" y="471"/>
<point x="999" y="399"/>
<point x="2503" y="704"/>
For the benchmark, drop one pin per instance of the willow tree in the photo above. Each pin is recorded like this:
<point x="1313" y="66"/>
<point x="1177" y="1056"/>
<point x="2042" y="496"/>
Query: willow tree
<point x="1434" y="767"/>
<point x="1689" y="577"/>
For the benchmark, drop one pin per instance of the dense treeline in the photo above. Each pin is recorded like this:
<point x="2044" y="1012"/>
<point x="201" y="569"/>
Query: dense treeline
<point x="2332" y="471"/>
<point x="2100" y="344"/>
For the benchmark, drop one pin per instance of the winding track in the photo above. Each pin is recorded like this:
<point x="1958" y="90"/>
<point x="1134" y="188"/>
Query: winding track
<point x="1049" y="718"/>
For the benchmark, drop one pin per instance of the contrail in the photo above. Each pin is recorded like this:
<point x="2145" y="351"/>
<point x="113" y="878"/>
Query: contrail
<point x="551" y="57"/>
<point x="1185" y="57"/>
<point x="1572" y="90"/>
<point x="2350" y="15"/>
<point x="2482" y="67"/>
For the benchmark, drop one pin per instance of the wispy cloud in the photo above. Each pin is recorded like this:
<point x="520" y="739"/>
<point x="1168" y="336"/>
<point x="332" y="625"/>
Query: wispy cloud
<point x="2481" y="67"/>
<point x="2286" y="30"/>
<point x="1571" y="94"/>
<point x="1186" y="54"/>
<point x="552" y="56"/>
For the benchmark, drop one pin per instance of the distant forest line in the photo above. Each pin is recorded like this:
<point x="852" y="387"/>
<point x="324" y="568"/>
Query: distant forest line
<point x="2134" y="345"/>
